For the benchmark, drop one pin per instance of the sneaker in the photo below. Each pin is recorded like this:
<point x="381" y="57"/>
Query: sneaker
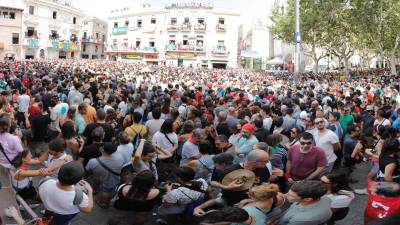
<point x="361" y="191"/>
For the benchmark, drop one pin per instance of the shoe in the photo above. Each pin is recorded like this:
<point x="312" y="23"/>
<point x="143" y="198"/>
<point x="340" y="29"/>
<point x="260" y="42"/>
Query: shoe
<point x="361" y="191"/>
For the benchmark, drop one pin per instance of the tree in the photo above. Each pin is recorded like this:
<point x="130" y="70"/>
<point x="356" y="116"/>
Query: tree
<point x="312" y="22"/>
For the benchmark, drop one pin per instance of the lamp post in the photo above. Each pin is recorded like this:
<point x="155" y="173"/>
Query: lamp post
<point x="297" y="37"/>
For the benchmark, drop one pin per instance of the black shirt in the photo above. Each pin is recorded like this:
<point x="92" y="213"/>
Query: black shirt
<point x="385" y="160"/>
<point x="90" y="152"/>
<point x="108" y="130"/>
<point x="39" y="127"/>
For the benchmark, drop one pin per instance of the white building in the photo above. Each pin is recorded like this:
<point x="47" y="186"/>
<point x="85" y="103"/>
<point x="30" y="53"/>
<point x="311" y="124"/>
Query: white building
<point x="94" y="32"/>
<point x="180" y="34"/>
<point x="50" y="28"/>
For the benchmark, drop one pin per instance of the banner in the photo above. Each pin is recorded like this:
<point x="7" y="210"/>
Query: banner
<point x="120" y="30"/>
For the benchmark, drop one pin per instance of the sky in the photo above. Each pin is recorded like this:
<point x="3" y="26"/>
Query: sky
<point x="102" y="8"/>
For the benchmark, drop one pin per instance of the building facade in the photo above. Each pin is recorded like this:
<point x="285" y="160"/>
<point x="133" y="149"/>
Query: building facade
<point x="187" y="34"/>
<point x="10" y="32"/>
<point x="94" y="34"/>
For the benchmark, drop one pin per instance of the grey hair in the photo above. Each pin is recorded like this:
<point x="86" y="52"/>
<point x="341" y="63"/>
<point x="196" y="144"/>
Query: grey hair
<point x="198" y="133"/>
<point x="222" y="115"/>
<point x="254" y="155"/>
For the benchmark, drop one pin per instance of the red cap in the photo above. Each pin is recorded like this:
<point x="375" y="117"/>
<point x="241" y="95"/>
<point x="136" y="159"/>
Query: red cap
<point x="248" y="127"/>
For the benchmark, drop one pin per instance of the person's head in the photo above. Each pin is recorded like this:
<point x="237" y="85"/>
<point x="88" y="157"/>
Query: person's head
<point x="390" y="146"/>
<point x="257" y="159"/>
<point x="222" y="116"/>
<point x="334" y="117"/>
<point x="82" y="108"/>
<point x="100" y="115"/>
<point x="167" y="126"/>
<point x="187" y="127"/>
<point x="380" y="114"/>
<point x="278" y="121"/>
<point x="306" y="142"/>
<point x="319" y="114"/>
<point x="71" y="173"/>
<point x="5" y="123"/>
<point x="68" y="130"/>
<point x="263" y="192"/>
<point x="137" y="117"/>
<point x="98" y="134"/>
<point x="258" y="122"/>
<point x="262" y="146"/>
<point x="109" y="148"/>
<point x="247" y="130"/>
<point x="274" y="139"/>
<point x="205" y="147"/>
<point x="226" y="216"/>
<point x="306" y="191"/>
<point x="184" y="174"/>
<point x="319" y="123"/>
<point x="71" y="112"/>
<point x="23" y="158"/>
<point x="353" y="130"/>
<point x="336" y="181"/>
<point x="141" y="185"/>
<point x="198" y="135"/>
<point x="221" y="142"/>
<point x="222" y="161"/>
<point x="56" y="146"/>
<point x="295" y="133"/>
<point x="123" y="138"/>
<point x="149" y="151"/>
<point x="156" y="113"/>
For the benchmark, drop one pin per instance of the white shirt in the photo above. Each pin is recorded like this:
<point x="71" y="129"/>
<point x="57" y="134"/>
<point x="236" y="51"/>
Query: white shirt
<point x="58" y="112"/>
<point x="23" y="103"/>
<point x="60" y="201"/>
<point x="267" y="123"/>
<point x="326" y="142"/>
<point x="126" y="151"/>
<point x="160" y="139"/>
<point x="341" y="200"/>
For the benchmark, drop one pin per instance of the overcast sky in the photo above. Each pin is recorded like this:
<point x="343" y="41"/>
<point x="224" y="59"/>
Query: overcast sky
<point x="247" y="8"/>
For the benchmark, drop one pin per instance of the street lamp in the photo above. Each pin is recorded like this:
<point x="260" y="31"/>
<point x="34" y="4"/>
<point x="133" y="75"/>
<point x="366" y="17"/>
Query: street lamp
<point x="297" y="37"/>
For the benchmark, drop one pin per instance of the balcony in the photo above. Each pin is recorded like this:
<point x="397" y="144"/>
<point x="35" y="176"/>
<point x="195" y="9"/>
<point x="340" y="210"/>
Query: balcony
<point x="172" y="28"/>
<point x="31" y="34"/>
<point x="147" y="49"/>
<point x="220" y="27"/>
<point x="220" y="51"/>
<point x="200" y="27"/>
<point x="120" y="30"/>
<point x="98" y="41"/>
<point x="31" y="41"/>
<point x="67" y="46"/>
<point x="186" y="27"/>
<point x="185" y="48"/>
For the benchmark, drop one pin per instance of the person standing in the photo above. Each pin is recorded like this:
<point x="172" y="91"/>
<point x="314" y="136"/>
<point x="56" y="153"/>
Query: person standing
<point x="23" y="105"/>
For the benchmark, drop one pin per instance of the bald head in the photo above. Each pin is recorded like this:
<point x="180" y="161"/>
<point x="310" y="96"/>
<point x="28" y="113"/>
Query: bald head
<point x="257" y="155"/>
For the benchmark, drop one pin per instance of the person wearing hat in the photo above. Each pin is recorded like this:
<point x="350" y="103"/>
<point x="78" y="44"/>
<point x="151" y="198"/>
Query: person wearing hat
<point x="246" y="142"/>
<point x="106" y="170"/>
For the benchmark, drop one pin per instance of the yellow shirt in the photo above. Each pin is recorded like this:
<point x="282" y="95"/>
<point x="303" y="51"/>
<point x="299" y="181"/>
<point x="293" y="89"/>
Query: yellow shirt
<point x="135" y="129"/>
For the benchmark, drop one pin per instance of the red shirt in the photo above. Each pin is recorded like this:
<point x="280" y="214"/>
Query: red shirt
<point x="379" y="207"/>
<point x="303" y="165"/>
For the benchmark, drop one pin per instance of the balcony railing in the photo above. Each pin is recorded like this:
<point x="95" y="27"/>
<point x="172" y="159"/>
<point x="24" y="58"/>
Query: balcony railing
<point x="186" y="27"/>
<point x="220" y="50"/>
<point x="221" y="27"/>
<point x="64" y="45"/>
<point x="200" y="27"/>
<point x="172" y="27"/>
<point x="33" y="35"/>
<point x="124" y="48"/>
<point x="32" y="42"/>
<point x="172" y="47"/>
<point x="148" y="49"/>
<point x="92" y="40"/>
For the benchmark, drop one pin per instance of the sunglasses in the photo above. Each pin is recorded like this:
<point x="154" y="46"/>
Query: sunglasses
<point x="305" y="142"/>
<point x="318" y="122"/>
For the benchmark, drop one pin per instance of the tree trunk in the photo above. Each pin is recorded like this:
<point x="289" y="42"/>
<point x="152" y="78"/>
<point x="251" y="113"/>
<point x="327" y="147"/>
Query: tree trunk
<point x="316" y="64"/>
<point x="393" y="57"/>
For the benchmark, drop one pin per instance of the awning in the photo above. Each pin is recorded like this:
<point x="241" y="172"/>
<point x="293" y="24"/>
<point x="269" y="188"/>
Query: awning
<point x="275" y="61"/>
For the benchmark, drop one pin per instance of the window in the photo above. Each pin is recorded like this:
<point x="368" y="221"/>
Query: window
<point x="103" y="37"/>
<point x="200" y="20"/>
<point x="127" y="23"/>
<point x="138" y="44"/>
<point x="151" y="44"/>
<point x="185" y="40"/>
<point x="173" y="21"/>
<point x="5" y="15"/>
<point x="31" y="31"/>
<point x="139" y="23"/>
<point x="31" y="10"/>
<point x="54" y="15"/>
<point x="221" y="21"/>
<point x="115" y="24"/>
<point x="12" y="15"/>
<point x="74" y="20"/>
<point x="15" y="38"/>
<point x="172" y="42"/>
<point x="54" y="34"/>
<point x="153" y="21"/>
<point x="97" y="35"/>
<point x="186" y="20"/>
<point x="84" y="35"/>
<point x="96" y="49"/>
<point x="115" y="42"/>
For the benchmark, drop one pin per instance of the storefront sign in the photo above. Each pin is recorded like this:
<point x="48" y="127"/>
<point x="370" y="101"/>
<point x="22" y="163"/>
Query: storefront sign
<point x="180" y="56"/>
<point x="151" y="56"/>
<point x="120" y="30"/>
<point x="138" y="57"/>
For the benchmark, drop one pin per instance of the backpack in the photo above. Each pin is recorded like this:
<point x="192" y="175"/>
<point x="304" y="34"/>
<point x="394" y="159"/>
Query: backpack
<point x="136" y="139"/>
<point x="78" y="191"/>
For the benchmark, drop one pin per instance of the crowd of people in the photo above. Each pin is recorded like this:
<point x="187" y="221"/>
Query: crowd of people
<point x="197" y="145"/>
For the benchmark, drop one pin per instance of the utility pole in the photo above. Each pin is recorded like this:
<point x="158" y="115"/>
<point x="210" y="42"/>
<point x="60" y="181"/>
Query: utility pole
<point x="297" y="36"/>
